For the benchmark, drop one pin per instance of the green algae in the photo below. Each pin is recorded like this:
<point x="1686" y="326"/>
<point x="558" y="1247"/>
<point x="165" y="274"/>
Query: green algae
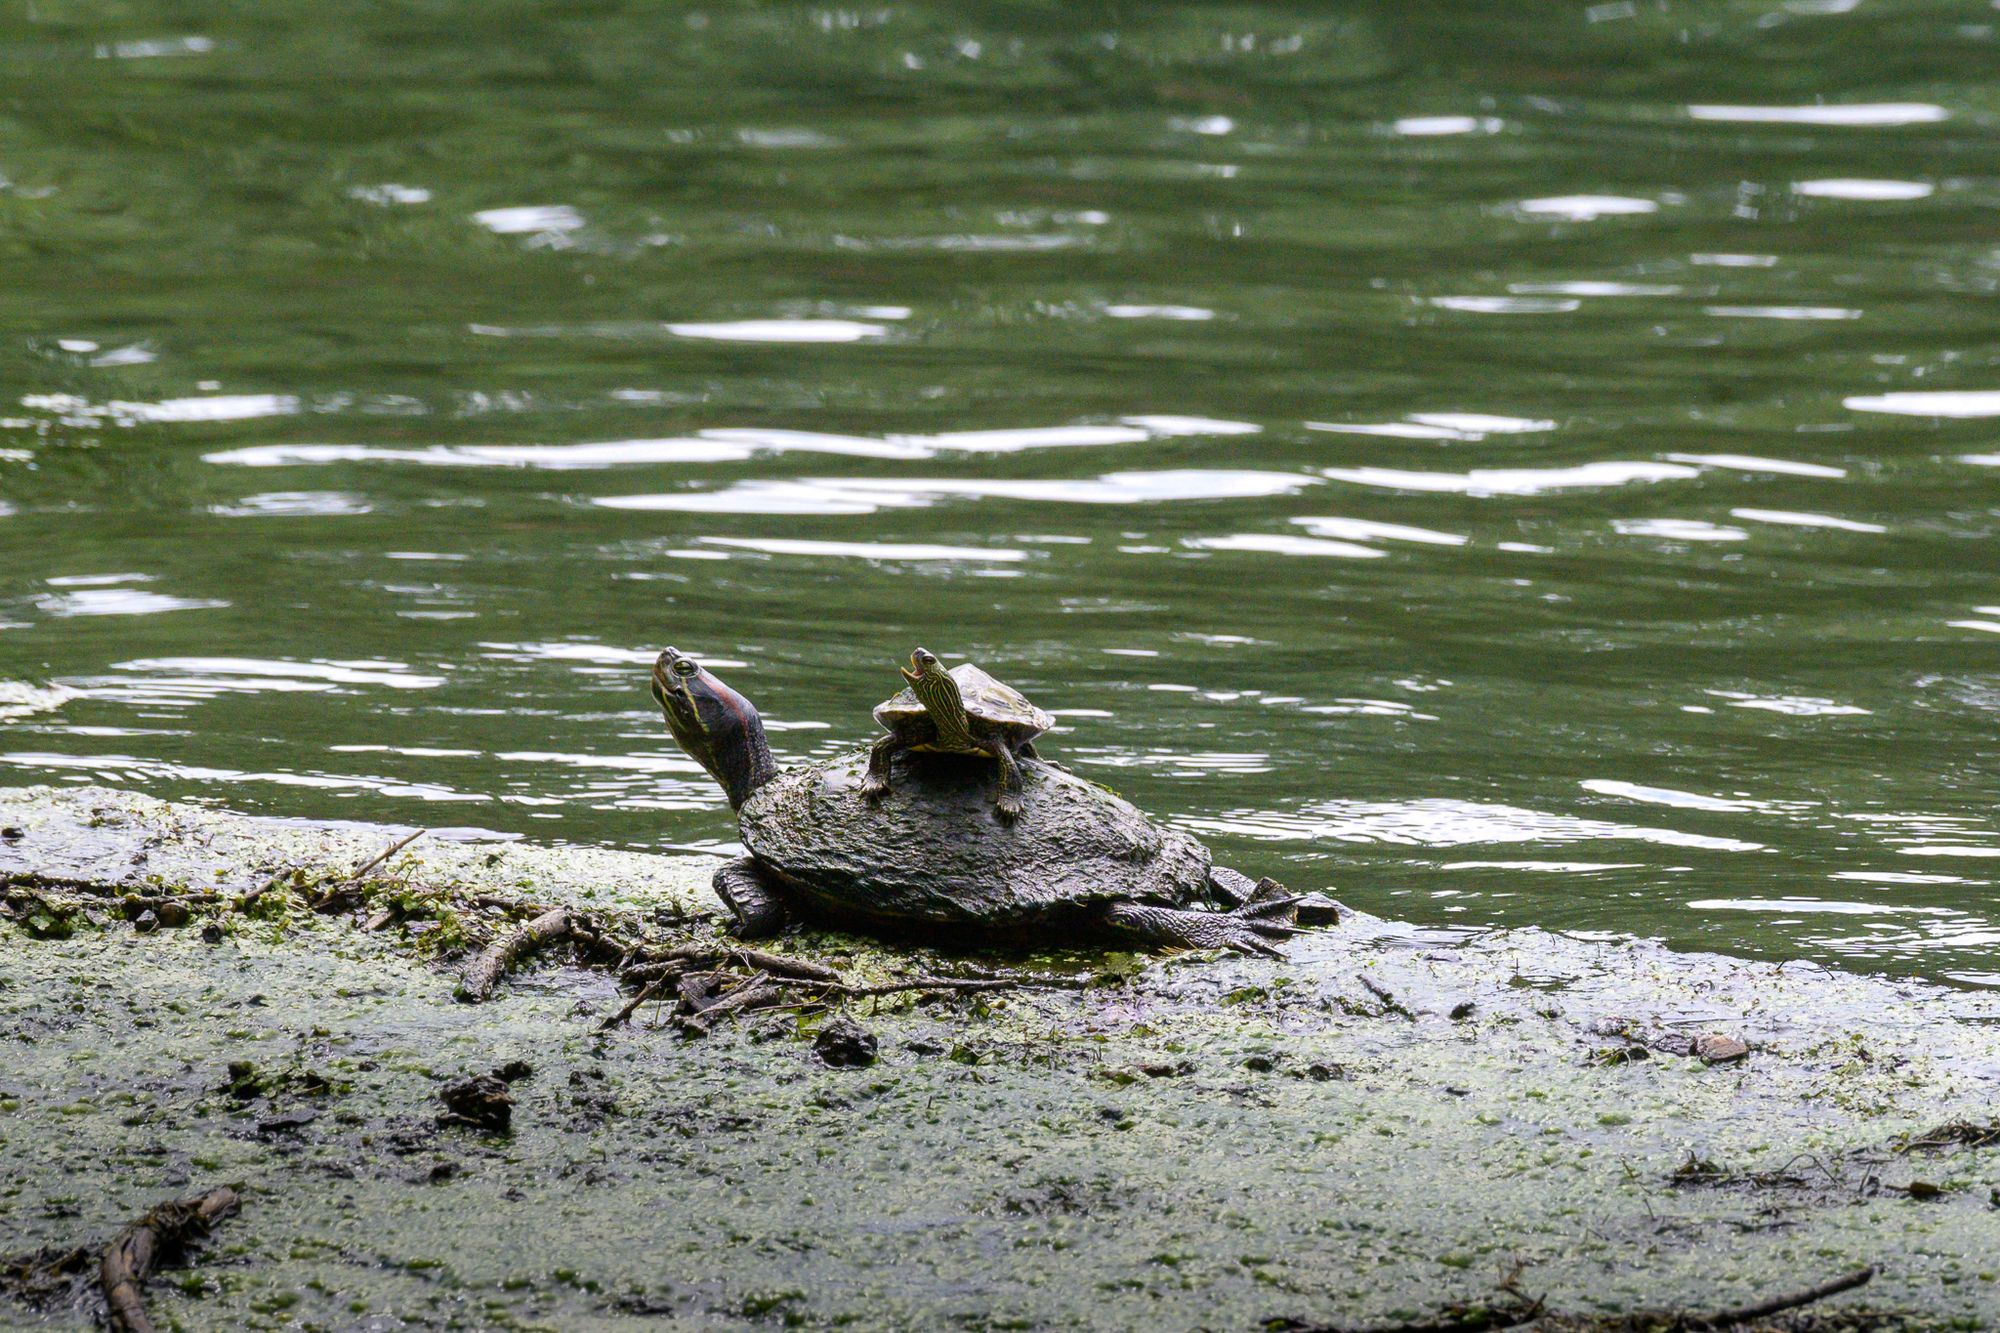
<point x="1202" y="1142"/>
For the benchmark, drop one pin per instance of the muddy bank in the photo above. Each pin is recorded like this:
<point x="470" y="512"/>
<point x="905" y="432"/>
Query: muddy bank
<point x="1387" y="1122"/>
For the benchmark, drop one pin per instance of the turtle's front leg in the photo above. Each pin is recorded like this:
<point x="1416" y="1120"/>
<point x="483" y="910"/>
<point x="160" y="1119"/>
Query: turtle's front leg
<point x="752" y="897"/>
<point x="875" y="785"/>
<point x="1008" y="806"/>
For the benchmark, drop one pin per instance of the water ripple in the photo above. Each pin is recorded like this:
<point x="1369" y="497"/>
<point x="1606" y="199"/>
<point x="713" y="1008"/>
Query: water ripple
<point x="1932" y="403"/>
<point x="1873" y="191"/>
<point x="122" y="602"/>
<point x="1440" y="822"/>
<point x="1278" y="543"/>
<point x="1513" y="481"/>
<point x="1853" y="114"/>
<point x="917" y="551"/>
<point x="1587" y="207"/>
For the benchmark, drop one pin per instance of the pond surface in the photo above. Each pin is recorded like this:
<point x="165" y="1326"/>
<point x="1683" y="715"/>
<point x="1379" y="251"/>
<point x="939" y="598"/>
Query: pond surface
<point x="1509" y="464"/>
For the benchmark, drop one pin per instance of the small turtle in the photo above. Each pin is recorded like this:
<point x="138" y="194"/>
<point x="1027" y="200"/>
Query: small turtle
<point x="1080" y="863"/>
<point x="961" y="711"/>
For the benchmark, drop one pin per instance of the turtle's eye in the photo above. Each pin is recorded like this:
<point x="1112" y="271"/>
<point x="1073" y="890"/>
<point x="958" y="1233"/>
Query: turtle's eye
<point x="686" y="666"/>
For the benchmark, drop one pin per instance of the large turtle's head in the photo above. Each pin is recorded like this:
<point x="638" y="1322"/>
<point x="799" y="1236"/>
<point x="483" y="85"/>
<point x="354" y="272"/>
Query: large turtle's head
<point x="718" y="727"/>
<point x="922" y="663"/>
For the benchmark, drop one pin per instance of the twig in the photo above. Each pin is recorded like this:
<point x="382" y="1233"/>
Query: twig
<point x="703" y="1011"/>
<point x="1461" y="1319"/>
<point x="781" y="966"/>
<point x="394" y="847"/>
<point x="927" y="983"/>
<point x="1391" y="1004"/>
<point x="1480" y="1319"/>
<point x="1043" y="981"/>
<point x="641" y="973"/>
<point x="347" y="894"/>
<point x="935" y="983"/>
<point x="507" y="950"/>
<point x="632" y="1005"/>
<point x="1743" y="1314"/>
<point x="512" y="906"/>
<point x="250" y="897"/>
<point x="164" y="1232"/>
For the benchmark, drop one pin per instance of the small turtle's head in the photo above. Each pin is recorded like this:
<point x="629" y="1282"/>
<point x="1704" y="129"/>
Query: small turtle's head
<point x="718" y="727"/>
<point x="922" y="663"/>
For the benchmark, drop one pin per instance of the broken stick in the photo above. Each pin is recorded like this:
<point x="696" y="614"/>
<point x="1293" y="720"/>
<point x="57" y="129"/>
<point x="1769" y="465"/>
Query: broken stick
<point x="163" y="1233"/>
<point x="1743" y="1314"/>
<point x="394" y="847"/>
<point x="508" y="950"/>
<point x="632" y="1005"/>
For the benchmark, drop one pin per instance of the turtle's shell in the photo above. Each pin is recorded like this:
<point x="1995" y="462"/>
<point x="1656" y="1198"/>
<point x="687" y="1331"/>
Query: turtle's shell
<point x="931" y="852"/>
<point x="986" y="699"/>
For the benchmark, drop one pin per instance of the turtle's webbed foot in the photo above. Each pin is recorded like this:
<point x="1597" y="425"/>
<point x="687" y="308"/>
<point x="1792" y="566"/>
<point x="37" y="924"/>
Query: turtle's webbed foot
<point x="873" y="787"/>
<point x="1198" y="930"/>
<point x="1008" y="808"/>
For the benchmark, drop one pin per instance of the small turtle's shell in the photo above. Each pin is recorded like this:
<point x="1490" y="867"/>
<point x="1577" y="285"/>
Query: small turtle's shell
<point x="986" y="700"/>
<point x="931" y="852"/>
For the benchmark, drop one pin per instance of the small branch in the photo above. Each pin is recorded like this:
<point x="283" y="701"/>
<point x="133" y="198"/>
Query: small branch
<point x="249" y="899"/>
<point x="347" y="894"/>
<point x="641" y="973"/>
<point x="632" y="1005"/>
<point x="1480" y="1319"/>
<point x="394" y="847"/>
<point x="511" y="906"/>
<point x="508" y="950"/>
<point x="704" y="1008"/>
<point x="1743" y="1314"/>
<point x="935" y="983"/>
<point x="780" y="966"/>
<point x="164" y="1232"/>
<point x="927" y="984"/>
<point x="1390" y="1004"/>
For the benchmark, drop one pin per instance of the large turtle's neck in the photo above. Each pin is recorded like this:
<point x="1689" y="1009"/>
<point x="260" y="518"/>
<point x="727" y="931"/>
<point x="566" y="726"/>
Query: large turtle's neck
<point x="745" y="764"/>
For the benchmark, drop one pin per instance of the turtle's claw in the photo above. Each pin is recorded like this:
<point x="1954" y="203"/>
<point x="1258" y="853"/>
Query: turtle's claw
<point x="873" y="789"/>
<point x="1246" y="936"/>
<point x="1007" y="809"/>
<point x="1278" y="912"/>
<point x="1198" y="930"/>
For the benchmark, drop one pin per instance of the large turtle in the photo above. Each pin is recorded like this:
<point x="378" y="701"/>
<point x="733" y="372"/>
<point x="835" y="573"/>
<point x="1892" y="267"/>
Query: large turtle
<point x="961" y="711"/>
<point x="1080" y="861"/>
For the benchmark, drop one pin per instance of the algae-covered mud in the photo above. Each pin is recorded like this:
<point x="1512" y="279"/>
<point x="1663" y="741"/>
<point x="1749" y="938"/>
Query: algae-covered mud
<point x="1386" y="1123"/>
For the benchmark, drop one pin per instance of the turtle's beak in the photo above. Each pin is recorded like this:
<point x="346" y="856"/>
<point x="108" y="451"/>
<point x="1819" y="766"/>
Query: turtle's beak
<point x="909" y="675"/>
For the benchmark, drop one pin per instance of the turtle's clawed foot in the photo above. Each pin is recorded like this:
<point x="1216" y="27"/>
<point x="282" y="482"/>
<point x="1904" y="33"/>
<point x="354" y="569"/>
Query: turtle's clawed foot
<point x="751" y="898"/>
<point x="873" y="788"/>
<point x="1198" y="930"/>
<point x="1008" y="808"/>
<point x="1250" y="937"/>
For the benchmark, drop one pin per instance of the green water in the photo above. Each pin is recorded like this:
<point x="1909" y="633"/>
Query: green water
<point x="1508" y="463"/>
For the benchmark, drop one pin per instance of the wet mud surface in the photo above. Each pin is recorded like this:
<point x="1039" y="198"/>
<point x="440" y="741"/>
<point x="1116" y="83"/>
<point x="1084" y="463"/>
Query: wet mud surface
<point x="1383" y="1124"/>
